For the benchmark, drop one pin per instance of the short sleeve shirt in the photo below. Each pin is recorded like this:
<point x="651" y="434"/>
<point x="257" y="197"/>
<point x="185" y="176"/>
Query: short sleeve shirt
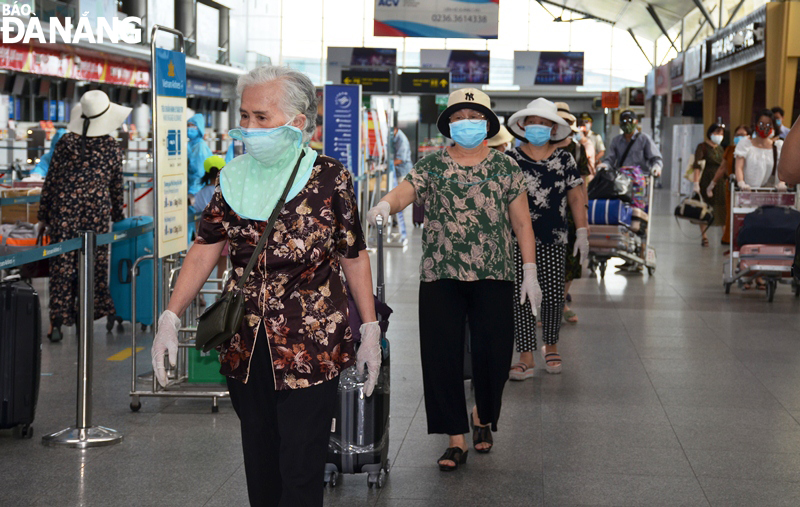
<point x="295" y="290"/>
<point x="758" y="162"/>
<point x="467" y="234"/>
<point x="548" y="181"/>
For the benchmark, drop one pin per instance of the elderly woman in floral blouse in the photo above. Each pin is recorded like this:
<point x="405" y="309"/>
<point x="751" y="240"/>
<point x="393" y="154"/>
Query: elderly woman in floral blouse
<point x="474" y="197"/>
<point x="282" y="366"/>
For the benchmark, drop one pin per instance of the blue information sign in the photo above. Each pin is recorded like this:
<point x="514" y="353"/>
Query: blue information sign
<point x="342" y="125"/>
<point x="170" y="73"/>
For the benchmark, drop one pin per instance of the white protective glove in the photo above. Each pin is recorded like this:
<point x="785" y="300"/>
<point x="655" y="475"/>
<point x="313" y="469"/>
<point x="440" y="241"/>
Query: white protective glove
<point x="34" y="177"/>
<point x="582" y="246"/>
<point x="530" y="287"/>
<point x="369" y="353"/>
<point x="601" y="166"/>
<point x="656" y="172"/>
<point x="710" y="189"/>
<point x="744" y="187"/>
<point x="696" y="187"/>
<point x="166" y="341"/>
<point x="383" y="209"/>
<point x="781" y="187"/>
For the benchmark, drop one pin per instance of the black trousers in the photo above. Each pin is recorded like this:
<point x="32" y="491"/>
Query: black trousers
<point x="284" y="434"/>
<point x="444" y="307"/>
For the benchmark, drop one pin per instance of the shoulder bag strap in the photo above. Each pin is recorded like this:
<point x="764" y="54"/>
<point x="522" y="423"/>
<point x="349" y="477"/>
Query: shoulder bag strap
<point x="774" y="159"/>
<point x="272" y="219"/>
<point x="627" y="150"/>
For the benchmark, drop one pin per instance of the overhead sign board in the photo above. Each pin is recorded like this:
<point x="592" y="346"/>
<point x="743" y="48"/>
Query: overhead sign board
<point x="425" y="82"/>
<point x="610" y="100"/>
<point x="740" y="43"/>
<point x="466" y="66"/>
<point x="454" y="19"/>
<point x="371" y="81"/>
<point x="559" y="68"/>
<point x="340" y="58"/>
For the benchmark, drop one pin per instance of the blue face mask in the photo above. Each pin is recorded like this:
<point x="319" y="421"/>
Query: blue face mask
<point x="272" y="145"/>
<point x="537" y="135"/>
<point x="193" y="132"/>
<point x="778" y="122"/>
<point x="468" y="133"/>
<point x="736" y="139"/>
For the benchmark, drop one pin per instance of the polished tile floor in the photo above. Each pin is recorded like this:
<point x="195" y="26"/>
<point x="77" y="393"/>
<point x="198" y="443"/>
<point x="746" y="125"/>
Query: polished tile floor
<point x="672" y="394"/>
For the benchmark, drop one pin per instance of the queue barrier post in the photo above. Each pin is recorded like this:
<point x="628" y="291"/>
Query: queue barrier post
<point x="83" y="435"/>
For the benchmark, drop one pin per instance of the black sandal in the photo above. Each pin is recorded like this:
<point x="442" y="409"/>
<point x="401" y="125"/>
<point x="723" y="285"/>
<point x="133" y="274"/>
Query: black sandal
<point x="455" y="454"/>
<point x="482" y="435"/>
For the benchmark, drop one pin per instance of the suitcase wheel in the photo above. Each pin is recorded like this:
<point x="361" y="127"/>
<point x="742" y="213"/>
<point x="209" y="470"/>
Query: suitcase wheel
<point x="135" y="406"/>
<point x="23" y="431"/>
<point x="376" y="479"/>
<point x="331" y="479"/>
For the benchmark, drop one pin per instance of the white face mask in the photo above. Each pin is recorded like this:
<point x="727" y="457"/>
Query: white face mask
<point x="716" y="139"/>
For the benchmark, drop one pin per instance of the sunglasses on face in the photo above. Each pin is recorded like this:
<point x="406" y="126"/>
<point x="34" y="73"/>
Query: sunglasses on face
<point x="764" y="125"/>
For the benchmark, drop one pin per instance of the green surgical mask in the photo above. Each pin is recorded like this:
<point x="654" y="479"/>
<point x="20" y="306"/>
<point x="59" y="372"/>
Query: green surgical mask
<point x="252" y="189"/>
<point x="628" y="127"/>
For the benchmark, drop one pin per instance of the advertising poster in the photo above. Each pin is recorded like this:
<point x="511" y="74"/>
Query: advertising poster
<point x="339" y="58"/>
<point x="557" y="68"/>
<point x="468" y="67"/>
<point x="455" y="19"/>
<point x="171" y="139"/>
<point x="342" y="139"/>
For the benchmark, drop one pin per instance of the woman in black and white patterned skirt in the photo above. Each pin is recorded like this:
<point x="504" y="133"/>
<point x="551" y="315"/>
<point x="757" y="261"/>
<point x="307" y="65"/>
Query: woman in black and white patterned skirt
<point x="553" y="184"/>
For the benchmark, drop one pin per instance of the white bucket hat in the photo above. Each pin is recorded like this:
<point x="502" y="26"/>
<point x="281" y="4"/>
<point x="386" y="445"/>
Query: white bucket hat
<point x="542" y="108"/>
<point x="97" y="115"/>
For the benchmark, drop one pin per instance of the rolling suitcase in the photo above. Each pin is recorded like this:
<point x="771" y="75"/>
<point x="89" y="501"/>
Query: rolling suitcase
<point x="359" y="441"/>
<point x="20" y="356"/>
<point x="766" y="255"/>
<point x="123" y="255"/>
<point x="609" y="212"/>
<point x="418" y="215"/>
<point x="616" y="237"/>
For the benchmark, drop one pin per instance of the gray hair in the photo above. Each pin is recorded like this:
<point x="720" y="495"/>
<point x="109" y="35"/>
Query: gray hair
<point x="299" y="93"/>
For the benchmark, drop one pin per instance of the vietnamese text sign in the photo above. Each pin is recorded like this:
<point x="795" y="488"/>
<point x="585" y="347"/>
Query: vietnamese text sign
<point x="170" y="135"/>
<point x="610" y="100"/>
<point x="455" y="19"/>
<point x="425" y="82"/>
<point x="341" y="136"/>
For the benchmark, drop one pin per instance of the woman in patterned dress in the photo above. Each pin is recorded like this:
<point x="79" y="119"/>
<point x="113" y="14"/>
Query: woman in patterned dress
<point x="282" y="367"/>
<point x="553" y="184"/>
<point x="473" y="198"/>
<point x="83" y="191"/>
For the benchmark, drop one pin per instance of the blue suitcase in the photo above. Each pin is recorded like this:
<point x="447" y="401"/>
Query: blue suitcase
<point x="123" y="255"/>
<point x="609" y="212"/>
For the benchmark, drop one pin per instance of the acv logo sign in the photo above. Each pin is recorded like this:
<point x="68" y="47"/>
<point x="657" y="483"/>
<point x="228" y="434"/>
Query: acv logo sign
<point x="14" y="29"/>
<point x="389" y="3"/>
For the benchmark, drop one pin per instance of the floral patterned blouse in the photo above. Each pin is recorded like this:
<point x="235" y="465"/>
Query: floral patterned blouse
<point x="295" y="290"/>
<point x="467" y="233"/>
<point x="548" y="182"/>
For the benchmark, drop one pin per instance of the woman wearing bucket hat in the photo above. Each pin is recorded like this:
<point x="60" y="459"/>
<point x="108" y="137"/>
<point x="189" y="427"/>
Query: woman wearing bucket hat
<point x="83" y="191"/>
<point x="502" y="141"/>
<point x="474" y="197"/>
<point x="553" y="184"/>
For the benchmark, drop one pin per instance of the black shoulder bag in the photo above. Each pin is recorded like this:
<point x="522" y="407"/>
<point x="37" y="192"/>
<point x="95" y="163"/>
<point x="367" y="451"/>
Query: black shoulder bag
<point x="223" y="319"/>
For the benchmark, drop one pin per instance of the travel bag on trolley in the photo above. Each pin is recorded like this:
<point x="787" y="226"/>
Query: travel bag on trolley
<point x="359" y="441"/>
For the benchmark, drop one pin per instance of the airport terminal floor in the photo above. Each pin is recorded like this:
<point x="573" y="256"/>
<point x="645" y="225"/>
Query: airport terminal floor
<point x="672" y="393"/>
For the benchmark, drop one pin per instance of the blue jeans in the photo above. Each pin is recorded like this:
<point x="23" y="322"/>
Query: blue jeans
<point x="396" y="177"/>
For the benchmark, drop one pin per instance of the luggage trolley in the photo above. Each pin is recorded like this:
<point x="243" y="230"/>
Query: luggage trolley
<point x="607" y="242"/>
<point x="359" y="441"/>
<point x="180" y="378"/>
<point x="772" y="263"/>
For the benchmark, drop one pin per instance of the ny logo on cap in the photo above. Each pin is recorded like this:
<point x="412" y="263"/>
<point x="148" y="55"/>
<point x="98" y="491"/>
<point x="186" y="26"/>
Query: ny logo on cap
<point x="469" y="96"/>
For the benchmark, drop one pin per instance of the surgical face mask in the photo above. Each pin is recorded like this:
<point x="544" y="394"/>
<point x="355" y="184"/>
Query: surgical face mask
<point x="628" y="127"/>
<point x="578" y="136"/>
<point x="736" y="139"/>
<point x="270" y="146"/>
<point x="468" y="133"/>
<point x="193" y="132"/>
<point x="778" y="122"/>
<point x="716" y="139"/>
<point x="538" y="135"/>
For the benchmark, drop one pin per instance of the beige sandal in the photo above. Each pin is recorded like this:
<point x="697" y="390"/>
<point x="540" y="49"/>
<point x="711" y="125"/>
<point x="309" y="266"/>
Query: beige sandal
<point x="520" y="371"/>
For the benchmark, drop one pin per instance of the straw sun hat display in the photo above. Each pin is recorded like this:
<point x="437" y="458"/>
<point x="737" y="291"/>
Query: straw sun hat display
<point x="468" y="98"/>
<point x="542" y="108"/>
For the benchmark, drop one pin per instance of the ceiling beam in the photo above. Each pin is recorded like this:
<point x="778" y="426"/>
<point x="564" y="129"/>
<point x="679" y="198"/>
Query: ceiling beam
<point x="654" y="15"/>
<point x="735" y="11"/>
<point x="706" y="14"/>
<point x="699" y="29"/>
<point x="586" y="14"/>
<point x="633" y="35"/>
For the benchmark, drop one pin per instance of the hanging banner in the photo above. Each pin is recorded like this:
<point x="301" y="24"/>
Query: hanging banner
<point x="341" y="136"/>
<point x="171" y="139"/>
<point x="455" y="19"/>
